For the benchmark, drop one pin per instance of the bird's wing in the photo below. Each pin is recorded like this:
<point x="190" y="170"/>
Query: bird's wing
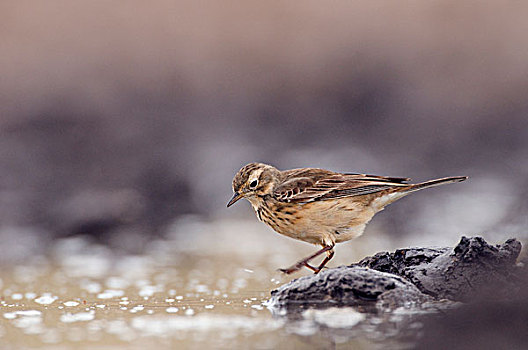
<point x="365" y="177"/>
<point x="324" y="185"/>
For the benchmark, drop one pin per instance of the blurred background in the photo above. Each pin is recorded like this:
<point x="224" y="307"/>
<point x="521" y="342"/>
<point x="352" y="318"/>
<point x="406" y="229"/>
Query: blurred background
<point x="120" y="120"/>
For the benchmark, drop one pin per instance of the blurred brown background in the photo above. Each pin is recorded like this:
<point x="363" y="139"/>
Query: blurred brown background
<point x="118" y="117"/>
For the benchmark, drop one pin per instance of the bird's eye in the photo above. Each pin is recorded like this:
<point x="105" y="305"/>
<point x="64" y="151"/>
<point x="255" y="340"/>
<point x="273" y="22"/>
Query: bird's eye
<point x="253" y="183"/>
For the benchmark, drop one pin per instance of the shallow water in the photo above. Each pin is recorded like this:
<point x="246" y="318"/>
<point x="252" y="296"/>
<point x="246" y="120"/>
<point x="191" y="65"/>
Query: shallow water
<point x="205" y="286"/>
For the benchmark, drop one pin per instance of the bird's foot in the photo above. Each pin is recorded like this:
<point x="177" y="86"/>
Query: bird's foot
<point x="290" y="269"/>
<point x="298" y="266"/>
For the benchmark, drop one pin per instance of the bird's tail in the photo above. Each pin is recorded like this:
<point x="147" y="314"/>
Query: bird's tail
<point x="436" y="182"/>
<point x="400" y="192"/>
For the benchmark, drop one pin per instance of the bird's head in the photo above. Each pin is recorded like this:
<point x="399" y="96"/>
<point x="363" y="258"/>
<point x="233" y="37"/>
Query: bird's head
<point x="254" y="180"/>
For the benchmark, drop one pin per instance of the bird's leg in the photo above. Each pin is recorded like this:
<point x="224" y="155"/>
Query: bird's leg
<point x="329" y="256"/>
<point x="316" y="270"/>
<point x="304" y="262"/>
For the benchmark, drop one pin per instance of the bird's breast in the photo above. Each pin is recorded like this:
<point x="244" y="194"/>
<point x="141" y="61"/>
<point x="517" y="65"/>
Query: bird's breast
<point x="338" y="220"/>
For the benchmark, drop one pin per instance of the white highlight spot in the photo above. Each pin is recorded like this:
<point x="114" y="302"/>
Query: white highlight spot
<point x="46" y="299"/>
<point x="23" y="313"/>
<point x="17" y="296"/>
<point x="335" y="317"/>
<point x="70" y="303"/>
<point x="78" y="317"/>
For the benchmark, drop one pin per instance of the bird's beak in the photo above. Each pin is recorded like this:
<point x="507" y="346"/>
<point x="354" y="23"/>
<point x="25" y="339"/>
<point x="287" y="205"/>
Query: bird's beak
<point x="235" y="198"/>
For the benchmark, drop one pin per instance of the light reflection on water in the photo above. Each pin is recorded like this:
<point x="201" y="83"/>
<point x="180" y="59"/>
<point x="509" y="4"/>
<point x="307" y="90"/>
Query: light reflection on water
<point x="192" y="291"/>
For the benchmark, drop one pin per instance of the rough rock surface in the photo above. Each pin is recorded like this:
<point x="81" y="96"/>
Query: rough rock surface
<point x="348" y="286"/>
<point x="459" y="273"/>
<point x="410" y="276"/>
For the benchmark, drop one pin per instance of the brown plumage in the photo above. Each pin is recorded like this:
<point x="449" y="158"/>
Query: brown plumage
<point x="319" y="206"/>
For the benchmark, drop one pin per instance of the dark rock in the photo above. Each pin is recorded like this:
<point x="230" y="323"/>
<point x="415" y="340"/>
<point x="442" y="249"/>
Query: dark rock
<point x="410" y="277"/>
<point x="471" y="268"/>
<point x="348" y="286"/>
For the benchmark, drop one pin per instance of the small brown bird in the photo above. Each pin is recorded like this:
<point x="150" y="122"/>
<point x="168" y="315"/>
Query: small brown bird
<point x="319" y="206"/>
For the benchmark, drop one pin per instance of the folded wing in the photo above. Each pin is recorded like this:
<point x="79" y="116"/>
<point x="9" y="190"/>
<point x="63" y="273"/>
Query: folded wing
<point x="303" y="186"/>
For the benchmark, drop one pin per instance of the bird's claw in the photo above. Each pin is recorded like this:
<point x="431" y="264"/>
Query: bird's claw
<point x="291" y="269"/>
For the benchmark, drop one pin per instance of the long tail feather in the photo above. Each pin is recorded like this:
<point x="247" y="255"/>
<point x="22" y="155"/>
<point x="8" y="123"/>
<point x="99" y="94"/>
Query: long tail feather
<point x="437" y="182"/>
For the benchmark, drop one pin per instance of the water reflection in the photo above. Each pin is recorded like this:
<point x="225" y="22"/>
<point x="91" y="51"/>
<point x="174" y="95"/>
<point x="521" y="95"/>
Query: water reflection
<point x="184" y="292"/>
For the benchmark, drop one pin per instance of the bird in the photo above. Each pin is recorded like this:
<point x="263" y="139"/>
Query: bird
<point x="319" y="206"/>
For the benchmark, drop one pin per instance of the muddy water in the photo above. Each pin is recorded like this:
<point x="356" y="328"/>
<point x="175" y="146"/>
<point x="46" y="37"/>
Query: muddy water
<point x="205" y="286"/>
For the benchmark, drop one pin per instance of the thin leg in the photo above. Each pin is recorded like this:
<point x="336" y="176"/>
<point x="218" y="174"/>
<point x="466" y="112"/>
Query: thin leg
<point x="316" y="270"/>
<point x="327" y="259"/>
<point x="304" y="262"/>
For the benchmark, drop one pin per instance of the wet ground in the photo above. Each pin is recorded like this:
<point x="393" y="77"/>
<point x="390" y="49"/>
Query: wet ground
<point x="205" y="286"/>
